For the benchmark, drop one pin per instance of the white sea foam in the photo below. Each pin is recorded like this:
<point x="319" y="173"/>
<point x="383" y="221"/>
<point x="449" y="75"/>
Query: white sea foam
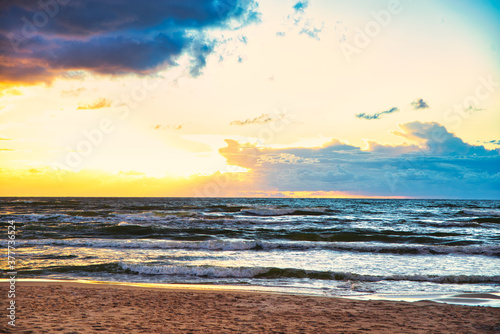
<point x="476" y="212"/>
<point x="201" y="271"/>
<point x="242" y="245"/>
<point x="274" y="273"/>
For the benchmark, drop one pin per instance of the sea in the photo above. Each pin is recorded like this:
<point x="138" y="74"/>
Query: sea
<point x="400" y="249"/>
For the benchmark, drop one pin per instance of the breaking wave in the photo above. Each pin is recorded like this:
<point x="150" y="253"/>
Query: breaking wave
<point x="241" y="245"/>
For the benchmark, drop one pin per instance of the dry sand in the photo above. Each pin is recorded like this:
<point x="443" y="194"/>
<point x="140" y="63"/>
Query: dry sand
<point x="54" y="307"/>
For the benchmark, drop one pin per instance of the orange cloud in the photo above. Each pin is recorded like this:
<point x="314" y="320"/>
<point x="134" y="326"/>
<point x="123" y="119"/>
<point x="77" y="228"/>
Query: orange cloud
<point x="6" y="90"/>
<point x="243" y="155"/>
<point x="26" y="71"/>
<point x="167" y="126"/>
<point x="101" y="103"/>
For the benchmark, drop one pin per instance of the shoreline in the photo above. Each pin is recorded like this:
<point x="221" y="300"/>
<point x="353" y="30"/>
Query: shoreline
<point x="489" y="299"/>
<point x="87" y="307"/>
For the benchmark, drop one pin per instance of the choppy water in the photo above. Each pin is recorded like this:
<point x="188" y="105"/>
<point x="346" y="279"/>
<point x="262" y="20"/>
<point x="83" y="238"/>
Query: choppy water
<point x="324" y="246"/>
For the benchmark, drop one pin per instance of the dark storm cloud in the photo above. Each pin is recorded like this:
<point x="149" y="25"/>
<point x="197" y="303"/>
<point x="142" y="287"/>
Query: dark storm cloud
<point x="40" y="40"/>
<point x="89" y="17"/>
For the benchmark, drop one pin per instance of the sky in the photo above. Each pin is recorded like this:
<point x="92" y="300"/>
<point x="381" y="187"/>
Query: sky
<point x="248" y="98"/>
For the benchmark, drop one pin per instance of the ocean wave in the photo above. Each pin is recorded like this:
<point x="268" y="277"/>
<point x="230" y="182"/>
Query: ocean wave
<point x="474" y="223"/>
<point x="144" y="207"/>
<point x="198" y="271"/>
<point x="157" y="230"/>
<point x="285" y="212"/>
<point x="91" y="268"/>
<point x="243" y="245"/>
<point x="402" y="249"/>
<point x="488" y="220"/>
<point x="479" y="213"/>
<point x="408" y="237"/>
<point x="445" y="205"/>
<point x="175" y="214"/>
<point x="147" y="244"/>
<point x="207" y="271"/>
<point x="277" y="273"/>
<point x="39" y="204"/>
<point x="88" y="213"/>
<point x="227" y="208"/>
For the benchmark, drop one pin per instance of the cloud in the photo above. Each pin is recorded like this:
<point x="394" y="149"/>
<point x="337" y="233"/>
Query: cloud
<point x="419" y="104"/>
<point x="5" y="139"/>
<point x="286" y="158"/>
<point x="301" y="5"/>
<point x="101" y="103"/>
<point x="9" y="92"/>
<point x="262" y="119"/>
<point x="494" y="142"/>
<point x="310" y="31"/>
<point x="299" y="19"/>
<point x="167" y="127"/>
<point x="435" y="163"/>
<point x="473" y="108"/>
<point x="199" y="52"/>
<point x="455" y="170"/>
<point x="439" y="141"/>
<point x="390" y="149"/>
<point x="377" y="115"/>
<point x="243" y="155"/>
<point x="111" y="37"/>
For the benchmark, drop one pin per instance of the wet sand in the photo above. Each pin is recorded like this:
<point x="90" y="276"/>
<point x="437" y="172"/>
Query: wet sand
<point x="69" y="307"/>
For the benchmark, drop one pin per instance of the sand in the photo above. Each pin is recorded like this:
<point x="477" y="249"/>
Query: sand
<point x="55" y="307"/>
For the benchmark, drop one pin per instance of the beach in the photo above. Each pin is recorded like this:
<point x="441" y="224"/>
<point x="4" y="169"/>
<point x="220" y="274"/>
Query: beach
<point x="72" y="307"/>
<point x="243" y="265"/>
